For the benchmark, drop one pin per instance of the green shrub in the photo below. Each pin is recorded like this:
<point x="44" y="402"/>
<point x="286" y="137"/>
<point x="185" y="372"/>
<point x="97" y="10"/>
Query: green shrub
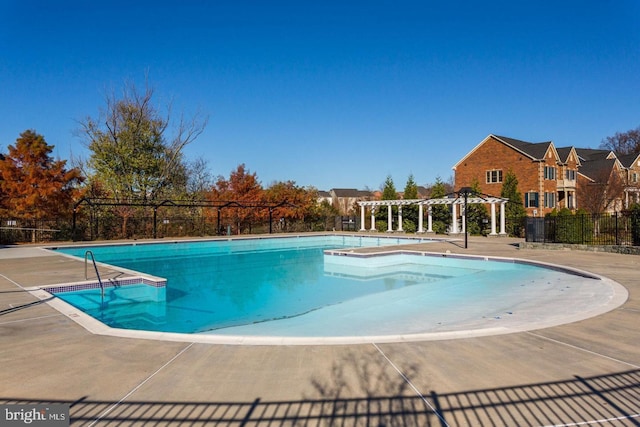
<point x="409" y="226"/>
<point x="439" y="227"/>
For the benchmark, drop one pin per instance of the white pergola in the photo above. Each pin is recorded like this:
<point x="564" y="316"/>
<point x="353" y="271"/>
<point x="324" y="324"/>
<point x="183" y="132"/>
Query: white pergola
<point x="455" y="202"/>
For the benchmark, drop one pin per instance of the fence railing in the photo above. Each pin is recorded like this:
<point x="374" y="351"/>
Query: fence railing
<point x="112" y="227"/>
<point x="622" y="229"/>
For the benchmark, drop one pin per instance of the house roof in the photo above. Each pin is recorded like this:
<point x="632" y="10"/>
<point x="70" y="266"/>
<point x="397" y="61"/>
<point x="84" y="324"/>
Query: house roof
<point x="322" y="193"/>
<point x="589" y="154"/>
<point x="565" y="152"/>
<point x="629" y="159"/>
<point x="534" y="150"/>
<point x="350" y="192"/>
<point x="594" y="169"/>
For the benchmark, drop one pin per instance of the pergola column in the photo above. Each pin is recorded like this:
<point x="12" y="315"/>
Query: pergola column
<point x="502" y="219"/>
<point x="429" y="220"/>
<point x="389" y="219"/>
<point x="373" y="218"/>
<point x="400" y="218"/>
<point x="420" y="218"/>
<point x="493" y="219"/>
<point x="362" y="218"/>
<point x="454" y="225"/>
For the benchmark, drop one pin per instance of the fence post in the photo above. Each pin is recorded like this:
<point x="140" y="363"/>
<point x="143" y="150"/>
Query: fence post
<point x="155" y="222"/>
<point x="616" y="215"/>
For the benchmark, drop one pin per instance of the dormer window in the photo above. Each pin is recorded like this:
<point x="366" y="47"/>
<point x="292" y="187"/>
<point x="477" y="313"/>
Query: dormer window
<point x="494" y="176"/>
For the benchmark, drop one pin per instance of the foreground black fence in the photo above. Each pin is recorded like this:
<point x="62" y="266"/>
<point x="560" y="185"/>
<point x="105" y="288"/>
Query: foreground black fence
<point x="622" y="229"/>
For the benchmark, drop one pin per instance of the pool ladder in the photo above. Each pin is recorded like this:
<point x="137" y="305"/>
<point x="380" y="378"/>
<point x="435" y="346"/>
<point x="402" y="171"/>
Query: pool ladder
<point x="95" y="267"/>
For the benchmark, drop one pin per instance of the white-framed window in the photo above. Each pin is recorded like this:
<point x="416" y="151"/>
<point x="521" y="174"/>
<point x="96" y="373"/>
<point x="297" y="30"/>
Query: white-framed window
<point x="549" y="200"/>
<point x="570" y="175"/>
<point x="531" y="200"/>
<point x="549" y="172"/>
<point x="494" y="176"/>
<point x="634" y="177"/>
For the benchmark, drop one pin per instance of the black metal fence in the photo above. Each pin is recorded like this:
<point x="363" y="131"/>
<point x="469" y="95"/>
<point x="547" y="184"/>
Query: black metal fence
<point x="105" y="225"/>
<point x="622" y="229"/>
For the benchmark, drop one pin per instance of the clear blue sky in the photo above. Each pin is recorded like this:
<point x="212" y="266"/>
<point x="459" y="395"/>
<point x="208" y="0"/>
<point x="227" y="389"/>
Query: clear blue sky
<point x="329" y="93"/>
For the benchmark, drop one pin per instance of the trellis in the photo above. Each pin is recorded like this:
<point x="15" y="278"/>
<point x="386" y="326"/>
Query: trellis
<point x="462" y="200"/>
<point x="155" y="205"/>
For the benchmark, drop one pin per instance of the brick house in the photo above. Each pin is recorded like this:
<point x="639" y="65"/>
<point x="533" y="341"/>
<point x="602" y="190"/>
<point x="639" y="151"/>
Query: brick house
<point x="345" y="199"/>
<point x="631" y="165"/>
<point x="324" y="196"/>
<point x="548" y="177"/>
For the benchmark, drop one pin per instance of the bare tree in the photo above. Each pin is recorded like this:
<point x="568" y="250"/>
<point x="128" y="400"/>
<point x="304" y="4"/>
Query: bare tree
<point x="601" y="192"/>
<point x="132" y="154"/>
<point x="623" y="142"/>
<point x="200" y="179"/>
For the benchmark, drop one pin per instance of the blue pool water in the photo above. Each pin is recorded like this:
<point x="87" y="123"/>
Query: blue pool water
<point x="222" y="283"/>
<point x="251" y="286"/>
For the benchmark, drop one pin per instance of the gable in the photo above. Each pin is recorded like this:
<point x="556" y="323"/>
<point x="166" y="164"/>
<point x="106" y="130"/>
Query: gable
<point x="470" y="153"/>
<point x="551" y="154"/>
<point x="536" y="151"/>
<point x="568" y="156"/>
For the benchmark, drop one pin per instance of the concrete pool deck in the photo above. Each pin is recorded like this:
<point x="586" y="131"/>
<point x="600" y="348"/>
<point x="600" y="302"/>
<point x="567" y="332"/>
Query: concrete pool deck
<point x="573" y="374"/>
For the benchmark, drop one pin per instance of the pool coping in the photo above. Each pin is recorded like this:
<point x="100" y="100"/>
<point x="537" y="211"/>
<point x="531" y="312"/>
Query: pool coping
<point x="619" y="297"/>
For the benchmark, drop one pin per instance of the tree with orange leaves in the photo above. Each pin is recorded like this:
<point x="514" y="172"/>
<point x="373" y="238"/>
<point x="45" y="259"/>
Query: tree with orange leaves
<point x="242" y="190"/>
<point x="300" y="203"/>
<point x="32" y="184"/>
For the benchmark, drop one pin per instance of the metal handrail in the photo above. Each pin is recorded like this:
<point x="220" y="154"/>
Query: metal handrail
<point x="95" y="267"/>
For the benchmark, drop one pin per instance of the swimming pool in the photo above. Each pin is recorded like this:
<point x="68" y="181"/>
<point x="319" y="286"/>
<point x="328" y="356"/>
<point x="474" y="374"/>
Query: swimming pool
<point x="217" y="284"/>
<point x="304" y="287"/>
